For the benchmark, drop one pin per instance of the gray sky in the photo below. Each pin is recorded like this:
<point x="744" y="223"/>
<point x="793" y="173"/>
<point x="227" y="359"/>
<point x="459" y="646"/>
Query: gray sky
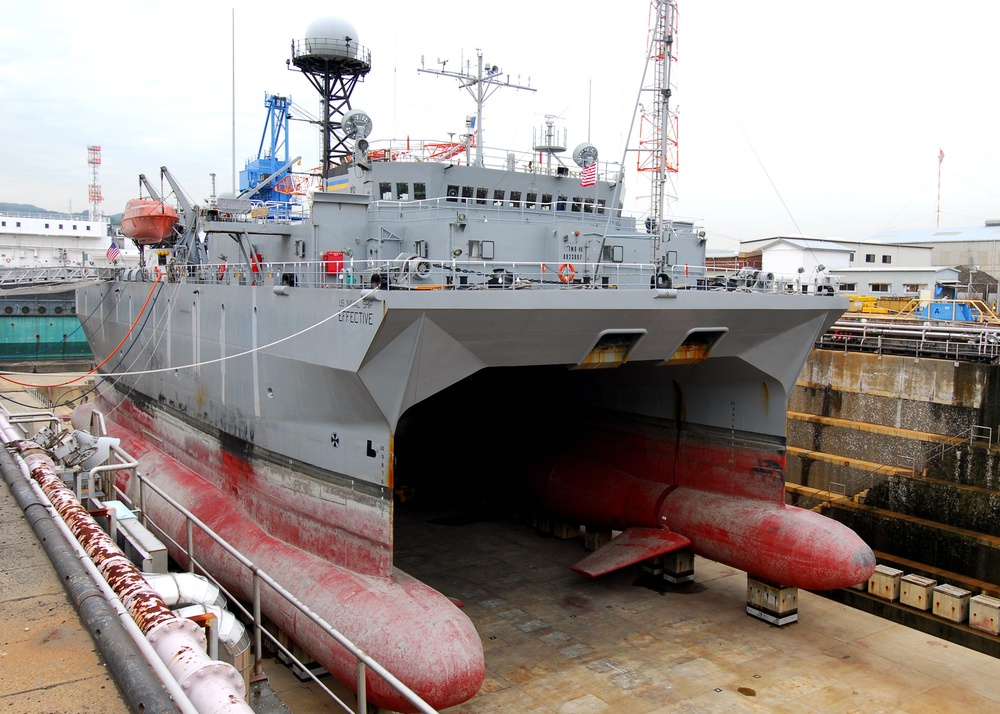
<point x="819" y="118"/>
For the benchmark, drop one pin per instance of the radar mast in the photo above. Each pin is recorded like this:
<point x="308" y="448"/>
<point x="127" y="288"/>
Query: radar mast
<point x="480" y="86"/>
<point x="333" y="61"/>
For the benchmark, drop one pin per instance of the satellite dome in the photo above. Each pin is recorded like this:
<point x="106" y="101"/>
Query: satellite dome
<point x="333" y="37"/>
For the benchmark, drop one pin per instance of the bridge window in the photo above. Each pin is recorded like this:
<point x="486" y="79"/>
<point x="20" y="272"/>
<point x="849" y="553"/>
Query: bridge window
<point x="419" y="190"/>
<point x="561" y="204"/>
<point x="588" y="205"/>
<point x="498" y="194"/>
<point x="481" y="195"/>
<point x="453" y="193"/>
<point x="515" y="199"/>
<point x="546" y="201"/>
<point x="869" y="257"/>
<point x="600" y="205"/>
<point x="880" y="287"/>
<point x="577" y="204"/>
<point x="886" y="258"/>
<point x="532" y="199"/>
<point x="467" y="191"/>
<point x="403" y="191"/>
<point x="385" y="191"/>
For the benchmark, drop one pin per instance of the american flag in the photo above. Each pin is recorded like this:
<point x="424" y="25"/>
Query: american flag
<point x="589" y="175"/>
<point x="113" y="252"/>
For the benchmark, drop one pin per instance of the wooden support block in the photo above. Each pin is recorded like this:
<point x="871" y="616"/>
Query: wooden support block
<point x="917" y="591"/>
<point x="885" y="582"/>
<point x="951" y="603"/>
<point x="984" y="614"/>
<point x="678" y="566"/>
<point x="772" y="602"/>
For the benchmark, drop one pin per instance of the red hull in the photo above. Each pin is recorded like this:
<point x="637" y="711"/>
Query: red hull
<point x="726" y="498"/>
<point x="415" y="632"/>
<point x="147" y="221"/>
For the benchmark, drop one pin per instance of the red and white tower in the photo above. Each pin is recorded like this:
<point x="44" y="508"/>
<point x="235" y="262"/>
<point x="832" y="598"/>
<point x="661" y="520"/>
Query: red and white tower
<point x="94" y="159"/>
<point x="657" y="154"/>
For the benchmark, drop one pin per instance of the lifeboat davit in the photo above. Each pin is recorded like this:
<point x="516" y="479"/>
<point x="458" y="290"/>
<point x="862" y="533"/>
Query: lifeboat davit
<point x="148" y="221"/>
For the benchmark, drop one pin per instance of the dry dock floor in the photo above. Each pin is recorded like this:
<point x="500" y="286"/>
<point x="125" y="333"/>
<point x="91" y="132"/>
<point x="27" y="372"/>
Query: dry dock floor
<point x="557" y="642"/>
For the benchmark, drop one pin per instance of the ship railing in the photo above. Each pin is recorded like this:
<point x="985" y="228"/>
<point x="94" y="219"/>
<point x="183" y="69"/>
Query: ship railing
<point x="121" y="460"/>
<point x="338" y="269"/>
<point x="455" y="152"/>
<point x="53" y="275"/>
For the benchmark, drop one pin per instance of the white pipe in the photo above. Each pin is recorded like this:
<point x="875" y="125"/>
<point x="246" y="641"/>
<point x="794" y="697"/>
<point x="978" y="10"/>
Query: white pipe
<point x="178" y="589"/>
<point x="231" y="630"/>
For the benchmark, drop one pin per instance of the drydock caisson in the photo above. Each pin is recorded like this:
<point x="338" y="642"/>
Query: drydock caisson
<point x="430" y="321"/>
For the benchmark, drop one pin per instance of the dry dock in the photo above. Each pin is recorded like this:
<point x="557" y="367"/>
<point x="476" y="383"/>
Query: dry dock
<point x="554" y="641"/>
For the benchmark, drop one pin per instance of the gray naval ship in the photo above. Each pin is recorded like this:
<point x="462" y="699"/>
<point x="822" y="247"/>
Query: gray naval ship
<point x="435" y="319"/>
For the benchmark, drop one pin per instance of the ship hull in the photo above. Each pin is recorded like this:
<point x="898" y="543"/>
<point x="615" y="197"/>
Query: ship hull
<point x="320" y="388"/>
<point x="305" y="410"/>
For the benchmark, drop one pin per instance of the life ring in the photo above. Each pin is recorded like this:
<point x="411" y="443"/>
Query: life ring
<point x="8" y="260"/>
<point x="567" y="272"/>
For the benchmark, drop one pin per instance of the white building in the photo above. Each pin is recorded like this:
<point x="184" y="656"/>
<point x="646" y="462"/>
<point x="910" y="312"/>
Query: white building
<point x="973" y="246"/>
<point x="46" y="240"/>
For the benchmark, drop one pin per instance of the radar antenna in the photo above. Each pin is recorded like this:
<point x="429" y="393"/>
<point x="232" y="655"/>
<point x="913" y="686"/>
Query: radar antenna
<point x="333" y="61"/>
<point x="480" y="86"/>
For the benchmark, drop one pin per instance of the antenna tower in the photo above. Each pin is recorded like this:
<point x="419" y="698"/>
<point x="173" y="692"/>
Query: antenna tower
<point x="333" y="61"/>
<point x="481" y="86"/>
<point x="657" y="153"/>
<point x="94" y="159"/>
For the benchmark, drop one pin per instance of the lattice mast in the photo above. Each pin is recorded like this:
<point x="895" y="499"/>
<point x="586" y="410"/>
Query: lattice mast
<point x="657" y="153"/>
<point x="94" y="192"/>
<point x="334" y="62"/>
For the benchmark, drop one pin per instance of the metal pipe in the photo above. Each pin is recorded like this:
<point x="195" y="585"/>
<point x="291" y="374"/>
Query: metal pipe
<point x="211" y="685"/>
<point x="142" y="689"/>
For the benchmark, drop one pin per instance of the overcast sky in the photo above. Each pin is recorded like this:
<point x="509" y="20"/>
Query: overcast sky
<point x="822" y="119"/>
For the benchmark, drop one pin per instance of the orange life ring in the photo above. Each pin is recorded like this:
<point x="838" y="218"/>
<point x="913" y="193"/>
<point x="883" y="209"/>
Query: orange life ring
<point x="567" y="272"/>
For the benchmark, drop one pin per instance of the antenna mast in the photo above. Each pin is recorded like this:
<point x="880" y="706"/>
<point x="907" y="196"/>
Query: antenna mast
<point x="940" y="161"/>
<point x="94" y="192"/>
<point x="658" y="126"/>
<point x="481" y="87"/>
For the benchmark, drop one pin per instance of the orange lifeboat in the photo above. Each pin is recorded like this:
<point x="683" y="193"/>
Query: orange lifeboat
<point x="148" y="221"/>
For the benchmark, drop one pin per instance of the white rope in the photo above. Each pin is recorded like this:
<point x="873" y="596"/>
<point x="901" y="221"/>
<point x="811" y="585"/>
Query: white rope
<point x="194" y="365"/>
